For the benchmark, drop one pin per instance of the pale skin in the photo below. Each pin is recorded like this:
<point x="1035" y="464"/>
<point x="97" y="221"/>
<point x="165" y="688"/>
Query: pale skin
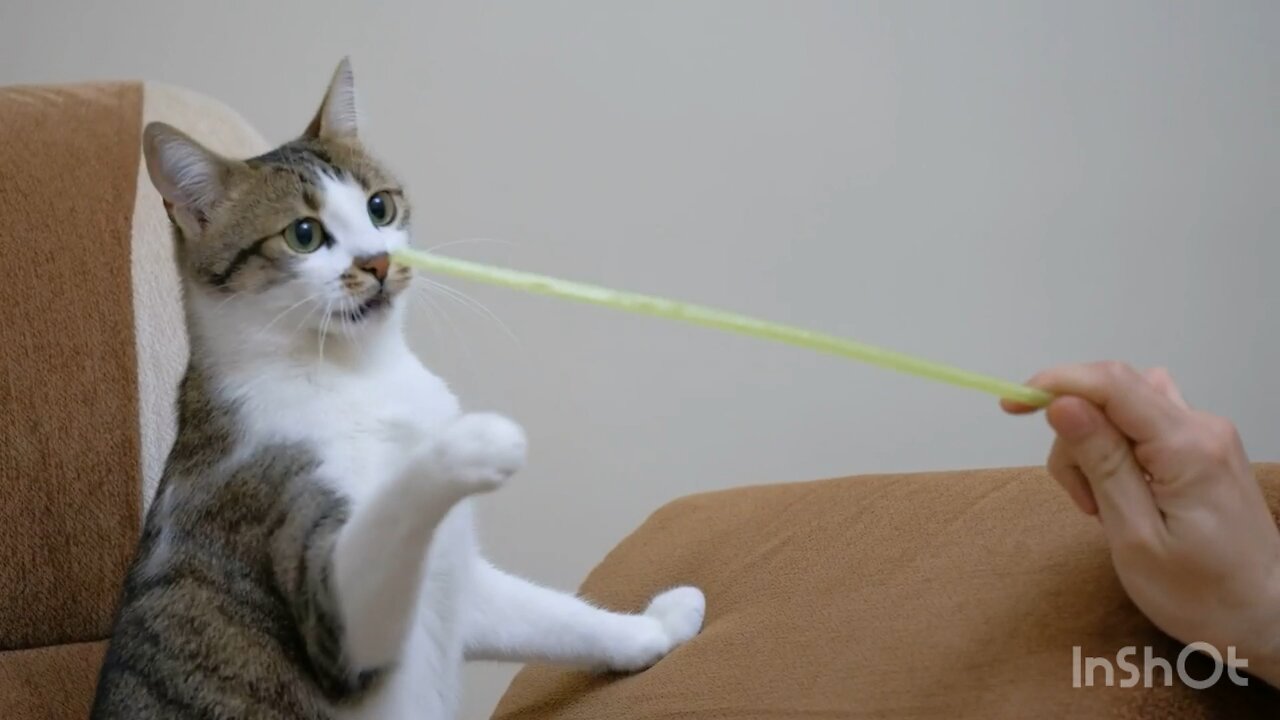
<point x="1191" y="537"/>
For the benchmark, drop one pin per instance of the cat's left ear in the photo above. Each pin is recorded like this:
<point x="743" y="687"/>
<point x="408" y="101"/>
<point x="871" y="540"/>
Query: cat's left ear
<point x="192" y="179"/>
<point x="337" y="115"/>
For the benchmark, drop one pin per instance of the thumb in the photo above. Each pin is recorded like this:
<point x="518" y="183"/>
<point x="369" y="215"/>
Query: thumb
<point x="1105" y="456"/>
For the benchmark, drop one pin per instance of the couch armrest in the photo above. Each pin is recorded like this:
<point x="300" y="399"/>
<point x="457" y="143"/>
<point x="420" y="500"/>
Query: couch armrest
<point x="91" y="346"/>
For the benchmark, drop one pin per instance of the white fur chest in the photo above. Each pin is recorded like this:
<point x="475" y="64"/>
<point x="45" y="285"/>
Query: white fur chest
<point x="362" y="424"/>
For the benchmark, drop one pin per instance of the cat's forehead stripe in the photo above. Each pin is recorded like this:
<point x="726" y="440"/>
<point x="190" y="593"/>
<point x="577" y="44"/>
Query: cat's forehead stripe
<point x="221" y="279"/>
<point x="310" y="161"/>
<point x="311" y="198"/>
<point x="304" y="163"/>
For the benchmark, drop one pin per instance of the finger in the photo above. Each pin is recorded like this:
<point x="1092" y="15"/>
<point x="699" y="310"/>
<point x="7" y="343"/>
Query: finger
<point x="1105" y="457"/>
<point x="1159" y="377"/>
<point x="1161" y="380"/>
<point x="1063" y="468"/>
<point x="1132" y="404"/>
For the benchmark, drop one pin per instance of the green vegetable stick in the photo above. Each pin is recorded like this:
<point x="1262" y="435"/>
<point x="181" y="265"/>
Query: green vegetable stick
<point x="710" y="317"/>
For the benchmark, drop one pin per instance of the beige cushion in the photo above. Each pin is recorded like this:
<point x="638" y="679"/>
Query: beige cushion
<point x="920" y="596"/>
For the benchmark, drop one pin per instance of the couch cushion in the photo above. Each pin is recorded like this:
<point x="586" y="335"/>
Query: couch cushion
<point x="54" y="683"/>
<point x="91" y="349"/>
<point x="69" y="459"/>
<point x="922" y="596"/>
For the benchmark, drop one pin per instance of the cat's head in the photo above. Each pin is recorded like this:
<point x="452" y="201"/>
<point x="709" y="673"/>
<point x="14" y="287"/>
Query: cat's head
<point x="303" y="231"/>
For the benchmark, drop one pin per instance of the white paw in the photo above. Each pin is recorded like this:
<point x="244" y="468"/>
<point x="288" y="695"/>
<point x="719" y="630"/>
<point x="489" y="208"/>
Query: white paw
<point x="479" y="451"/>
<point x="680" y="611"/>
<point x="675" y="616"/>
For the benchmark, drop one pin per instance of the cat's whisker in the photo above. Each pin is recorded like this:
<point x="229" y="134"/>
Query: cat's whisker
<point x="475" y="306"/>
<point x="420" y="293"/>
<point x="284" y="312"/>
<point x="348" y="329"/>
<point x="445" y="319"/>
<point x="423" y="293"/>
<point x="465" y="241"/>
<point x="302" y="323"/>
<point x="324" y="329"/>
<point x="342" y="314"/>
<point x="460" y="336"/>
<point x="437" y="335"/>
<point x="229" y="298"/>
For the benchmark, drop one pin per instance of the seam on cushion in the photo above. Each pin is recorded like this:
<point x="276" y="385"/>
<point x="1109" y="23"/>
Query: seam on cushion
<point x="37" y="648"/>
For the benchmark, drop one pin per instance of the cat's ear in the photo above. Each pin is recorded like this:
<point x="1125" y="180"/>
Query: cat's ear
<point x="191" y="178"/>
<point x="337" y="115"/>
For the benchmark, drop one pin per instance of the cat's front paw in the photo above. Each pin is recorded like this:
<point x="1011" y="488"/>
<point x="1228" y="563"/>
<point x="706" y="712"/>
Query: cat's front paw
<point x="479" y="451"/>
<point x="680" y="611"/>
<point x="675" y="617"/>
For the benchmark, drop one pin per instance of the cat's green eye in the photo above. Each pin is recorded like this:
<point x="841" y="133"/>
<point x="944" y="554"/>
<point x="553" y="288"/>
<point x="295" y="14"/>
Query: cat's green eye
<point x="382" y="208"/>
<point x="304" y="235"/>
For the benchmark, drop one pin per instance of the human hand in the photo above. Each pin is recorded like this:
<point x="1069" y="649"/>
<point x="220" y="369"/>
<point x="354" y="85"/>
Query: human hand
<point x="1190" y="534"/>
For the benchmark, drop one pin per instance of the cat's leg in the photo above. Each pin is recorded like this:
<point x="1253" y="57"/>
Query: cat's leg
<point x="513" y="619"/>
<point x="354" y="581"/>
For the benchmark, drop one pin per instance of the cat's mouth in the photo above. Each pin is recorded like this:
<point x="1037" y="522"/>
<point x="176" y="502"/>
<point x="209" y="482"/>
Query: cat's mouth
<point x="375" y="305"/>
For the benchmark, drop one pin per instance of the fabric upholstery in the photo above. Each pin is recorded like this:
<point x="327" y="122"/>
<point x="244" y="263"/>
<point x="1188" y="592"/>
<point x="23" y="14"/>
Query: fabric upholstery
<point x="49" y="683"/>
<point x="68" y="173"/>
<point x="91" y="349"/>
<point x="941" y="595"/>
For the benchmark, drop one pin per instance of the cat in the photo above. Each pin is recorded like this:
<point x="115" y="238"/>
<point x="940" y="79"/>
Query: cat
<point x="310" y="552"/>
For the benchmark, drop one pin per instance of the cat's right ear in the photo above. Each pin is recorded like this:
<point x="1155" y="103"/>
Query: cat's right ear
<point x="191" y="178"/>
<point x="337" y="117"/>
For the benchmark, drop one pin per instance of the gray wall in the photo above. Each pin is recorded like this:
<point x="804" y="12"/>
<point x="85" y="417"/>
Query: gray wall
<point x="999" y="185"/>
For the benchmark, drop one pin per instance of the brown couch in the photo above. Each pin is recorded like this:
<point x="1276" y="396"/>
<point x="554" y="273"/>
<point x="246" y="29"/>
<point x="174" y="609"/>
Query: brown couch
<point x="920" y="596"/>
<point x="928" y="596"/>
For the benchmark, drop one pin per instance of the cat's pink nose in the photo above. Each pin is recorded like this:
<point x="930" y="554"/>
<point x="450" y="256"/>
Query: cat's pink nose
<point x="375" y="265"/>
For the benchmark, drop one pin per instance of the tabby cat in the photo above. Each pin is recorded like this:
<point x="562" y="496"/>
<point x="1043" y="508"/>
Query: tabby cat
<point x="310" y="552"/>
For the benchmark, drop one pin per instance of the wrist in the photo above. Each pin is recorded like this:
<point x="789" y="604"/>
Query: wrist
<point x="1264" y="657"/>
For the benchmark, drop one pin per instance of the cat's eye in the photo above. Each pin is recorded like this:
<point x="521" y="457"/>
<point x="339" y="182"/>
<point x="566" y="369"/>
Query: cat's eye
<point x="382" y="208"/>
<point x="304" y="235"/>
